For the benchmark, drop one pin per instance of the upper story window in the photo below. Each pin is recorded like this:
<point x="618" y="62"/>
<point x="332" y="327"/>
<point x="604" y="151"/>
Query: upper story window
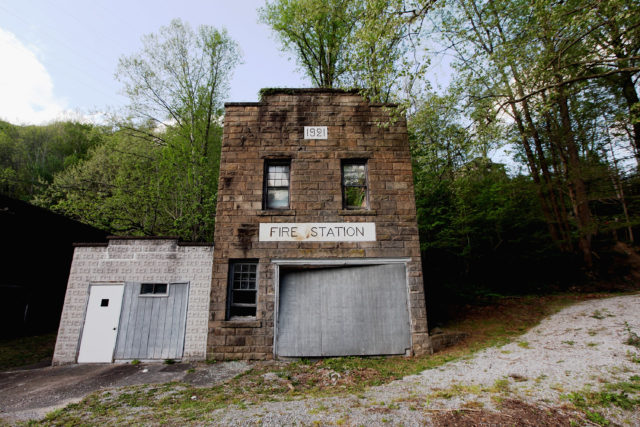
<point x="276" y="184"/>
<point x="354" y="184"/>
<point x="243" y="289"/>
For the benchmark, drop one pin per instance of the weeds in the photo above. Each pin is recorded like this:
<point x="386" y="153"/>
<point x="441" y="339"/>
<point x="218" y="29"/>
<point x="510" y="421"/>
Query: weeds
<point x="633" y="339"/>
<point x="613" y="394"/>
<point x="26" y="350"/>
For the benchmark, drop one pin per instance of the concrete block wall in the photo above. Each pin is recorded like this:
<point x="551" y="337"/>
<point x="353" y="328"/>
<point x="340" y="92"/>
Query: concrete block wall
<point x="273" y="129"/>
<point x="161" y="260"/>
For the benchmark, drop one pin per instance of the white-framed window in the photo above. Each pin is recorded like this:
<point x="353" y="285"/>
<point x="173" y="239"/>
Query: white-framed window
<point x="277" y="184"/>
<point x="243" y="289"/>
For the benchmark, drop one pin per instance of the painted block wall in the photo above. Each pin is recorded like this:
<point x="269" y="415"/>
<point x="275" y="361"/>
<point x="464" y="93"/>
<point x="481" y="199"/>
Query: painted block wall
<point x="273" y="129"/>
<point x="161" y="260"/>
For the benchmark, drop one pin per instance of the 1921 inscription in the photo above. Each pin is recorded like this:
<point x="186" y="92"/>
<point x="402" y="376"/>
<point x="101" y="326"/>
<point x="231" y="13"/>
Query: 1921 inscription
<point x="315" y="132"/>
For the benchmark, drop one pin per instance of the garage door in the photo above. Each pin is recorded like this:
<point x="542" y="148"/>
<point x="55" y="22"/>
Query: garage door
<point x="343" y="311"/>
<point x="153" y="320"/>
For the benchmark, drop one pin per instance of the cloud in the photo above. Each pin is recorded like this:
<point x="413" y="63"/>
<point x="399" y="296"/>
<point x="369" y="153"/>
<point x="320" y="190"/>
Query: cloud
<point x="26" y="88"/>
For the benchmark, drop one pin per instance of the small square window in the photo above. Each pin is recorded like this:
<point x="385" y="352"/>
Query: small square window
<point x="243" y="289"/>
<point x="276" y="184"/>
<point x="354" y="184"/>
<point x="104" y="302"/>
<point x="150" y="289"/>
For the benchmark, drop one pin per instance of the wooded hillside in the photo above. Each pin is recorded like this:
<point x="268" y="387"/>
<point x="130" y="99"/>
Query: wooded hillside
<point x="551" y="85"/>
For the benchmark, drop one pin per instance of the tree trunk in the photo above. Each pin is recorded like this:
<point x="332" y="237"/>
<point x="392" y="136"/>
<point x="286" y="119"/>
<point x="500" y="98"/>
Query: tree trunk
<point x="575" y="183"/>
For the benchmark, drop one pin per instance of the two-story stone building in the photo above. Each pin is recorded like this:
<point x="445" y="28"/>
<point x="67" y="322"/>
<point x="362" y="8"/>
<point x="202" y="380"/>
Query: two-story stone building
<point x="316" y="241"/>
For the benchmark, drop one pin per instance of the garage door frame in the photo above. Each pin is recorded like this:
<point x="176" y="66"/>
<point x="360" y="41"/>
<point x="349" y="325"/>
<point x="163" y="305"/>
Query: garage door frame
<point x="331" y="263"/>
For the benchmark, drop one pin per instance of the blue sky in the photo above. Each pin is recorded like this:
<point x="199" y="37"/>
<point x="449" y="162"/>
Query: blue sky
<point x="59" y="56"/>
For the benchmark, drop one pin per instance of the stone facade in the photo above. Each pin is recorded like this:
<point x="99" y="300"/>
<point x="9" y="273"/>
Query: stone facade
<point x="273" y="129"/>
<point x="163" y="260"/>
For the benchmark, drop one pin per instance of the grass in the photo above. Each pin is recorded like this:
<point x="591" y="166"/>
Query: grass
<point x="23" y="351"/>
<point x="488" y="325"/>
<point x="624" y="395"/>
<point x="633" y="339"/>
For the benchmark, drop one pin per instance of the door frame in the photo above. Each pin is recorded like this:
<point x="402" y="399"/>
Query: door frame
<point x="86" y="306"/>
<point x="277" y="263"/>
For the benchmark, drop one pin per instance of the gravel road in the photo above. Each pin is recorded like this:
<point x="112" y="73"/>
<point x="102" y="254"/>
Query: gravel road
<point x="583" y="347"/>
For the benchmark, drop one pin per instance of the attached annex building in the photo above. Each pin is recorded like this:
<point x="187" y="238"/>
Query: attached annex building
<point x="316" y="248"/>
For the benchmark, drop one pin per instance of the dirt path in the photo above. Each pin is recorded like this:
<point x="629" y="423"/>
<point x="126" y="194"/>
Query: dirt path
<point x="31" y="394"/>
<point x="581" y="350"/>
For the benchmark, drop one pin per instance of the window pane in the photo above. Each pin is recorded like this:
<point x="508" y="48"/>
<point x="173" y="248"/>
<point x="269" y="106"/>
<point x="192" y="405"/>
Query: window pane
<point x="242" y="311"/>
<point x="146" y="288"/>
<point x="278" y="176"/>
<point x="246" y="297"/>
<point x="355" y="197"/>
<point x="277" y="198"/>
<point x="161" y="288"/>
<point x="354" y="175"/>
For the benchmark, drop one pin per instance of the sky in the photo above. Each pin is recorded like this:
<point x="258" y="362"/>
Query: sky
<point x="59" y="57"/>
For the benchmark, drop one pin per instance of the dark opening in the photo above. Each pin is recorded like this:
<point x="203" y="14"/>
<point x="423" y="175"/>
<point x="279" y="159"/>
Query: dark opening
<point x="153" y="289"/>
<point x="104" y="302"/>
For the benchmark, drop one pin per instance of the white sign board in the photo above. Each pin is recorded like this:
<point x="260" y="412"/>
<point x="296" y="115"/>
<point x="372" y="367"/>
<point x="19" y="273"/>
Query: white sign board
<point x="315" y="132"/>
<point x="318" y="232"/>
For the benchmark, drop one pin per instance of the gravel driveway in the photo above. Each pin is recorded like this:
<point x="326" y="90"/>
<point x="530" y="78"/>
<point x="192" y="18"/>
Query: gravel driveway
<point x="581" y="348"/>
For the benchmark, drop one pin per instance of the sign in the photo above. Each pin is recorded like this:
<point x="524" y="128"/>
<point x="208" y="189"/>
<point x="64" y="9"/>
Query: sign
<point x="318" y="232"/>
<point x="315" y="132"/>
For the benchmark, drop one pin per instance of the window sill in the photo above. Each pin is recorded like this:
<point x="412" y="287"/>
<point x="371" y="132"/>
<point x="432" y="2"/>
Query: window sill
<point x="277" y="212"/>
<point x="241" y="324"/>
<point x="357" y="212"/>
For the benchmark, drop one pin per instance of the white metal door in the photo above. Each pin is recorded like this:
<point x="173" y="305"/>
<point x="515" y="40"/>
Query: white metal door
<point x="101" y="324"/>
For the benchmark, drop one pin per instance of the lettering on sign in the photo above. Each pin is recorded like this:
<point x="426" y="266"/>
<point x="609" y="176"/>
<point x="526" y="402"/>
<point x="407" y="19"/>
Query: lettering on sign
<point x="315" y="132"/>
<point x="318" y="232"/>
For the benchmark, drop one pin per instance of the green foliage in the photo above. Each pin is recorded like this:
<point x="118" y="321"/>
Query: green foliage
<point x="23" y="351"/>
<point x="176" y="85"/>
<point x="319" y="33"/>
<point x="158" y="173"/>
<point x="31" y="155"/>
<point x="353" y="43"/>
<point x="633" y="338"/>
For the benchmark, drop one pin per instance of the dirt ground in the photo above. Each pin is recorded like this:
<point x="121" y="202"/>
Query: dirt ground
<point x="32" y="393"/>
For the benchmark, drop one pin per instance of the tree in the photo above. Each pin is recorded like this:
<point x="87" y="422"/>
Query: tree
<point x="352" y="43"/>
<point x="319" y="32"/>
<point x="176" y="85"/>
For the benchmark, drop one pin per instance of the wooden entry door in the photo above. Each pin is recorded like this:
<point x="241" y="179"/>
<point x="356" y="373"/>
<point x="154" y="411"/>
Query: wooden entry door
<point x="343" y="311"/>
<point x="101" y="324"/>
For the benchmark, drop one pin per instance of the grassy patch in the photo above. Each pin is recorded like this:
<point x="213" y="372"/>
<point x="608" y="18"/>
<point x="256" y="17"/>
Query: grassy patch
<point x="487" y="325"/>
<point x="26" y="350"/>
<point x="624" y="395"/>
<point x="633" y="339"/>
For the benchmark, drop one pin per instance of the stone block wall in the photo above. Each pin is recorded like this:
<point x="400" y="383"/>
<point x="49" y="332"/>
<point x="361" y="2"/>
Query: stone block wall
<point x="163" y="260"/>
<point x="273" y="129"/>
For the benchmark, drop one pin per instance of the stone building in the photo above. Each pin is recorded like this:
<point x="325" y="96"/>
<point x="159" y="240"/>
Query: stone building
<point x="316" y="241"/>
<point x="316" y="249"/>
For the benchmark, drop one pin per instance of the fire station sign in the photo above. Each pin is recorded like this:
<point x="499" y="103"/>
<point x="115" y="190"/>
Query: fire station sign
<point x="318" y="232"/>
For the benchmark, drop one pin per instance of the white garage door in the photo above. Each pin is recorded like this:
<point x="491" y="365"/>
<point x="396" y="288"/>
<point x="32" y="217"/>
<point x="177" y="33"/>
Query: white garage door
<point x="343" y="311"/>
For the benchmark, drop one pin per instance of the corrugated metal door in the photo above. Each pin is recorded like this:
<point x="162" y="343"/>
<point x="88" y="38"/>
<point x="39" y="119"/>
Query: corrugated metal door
<point x="152" y="327"/>
<point x="343" y="311"/>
